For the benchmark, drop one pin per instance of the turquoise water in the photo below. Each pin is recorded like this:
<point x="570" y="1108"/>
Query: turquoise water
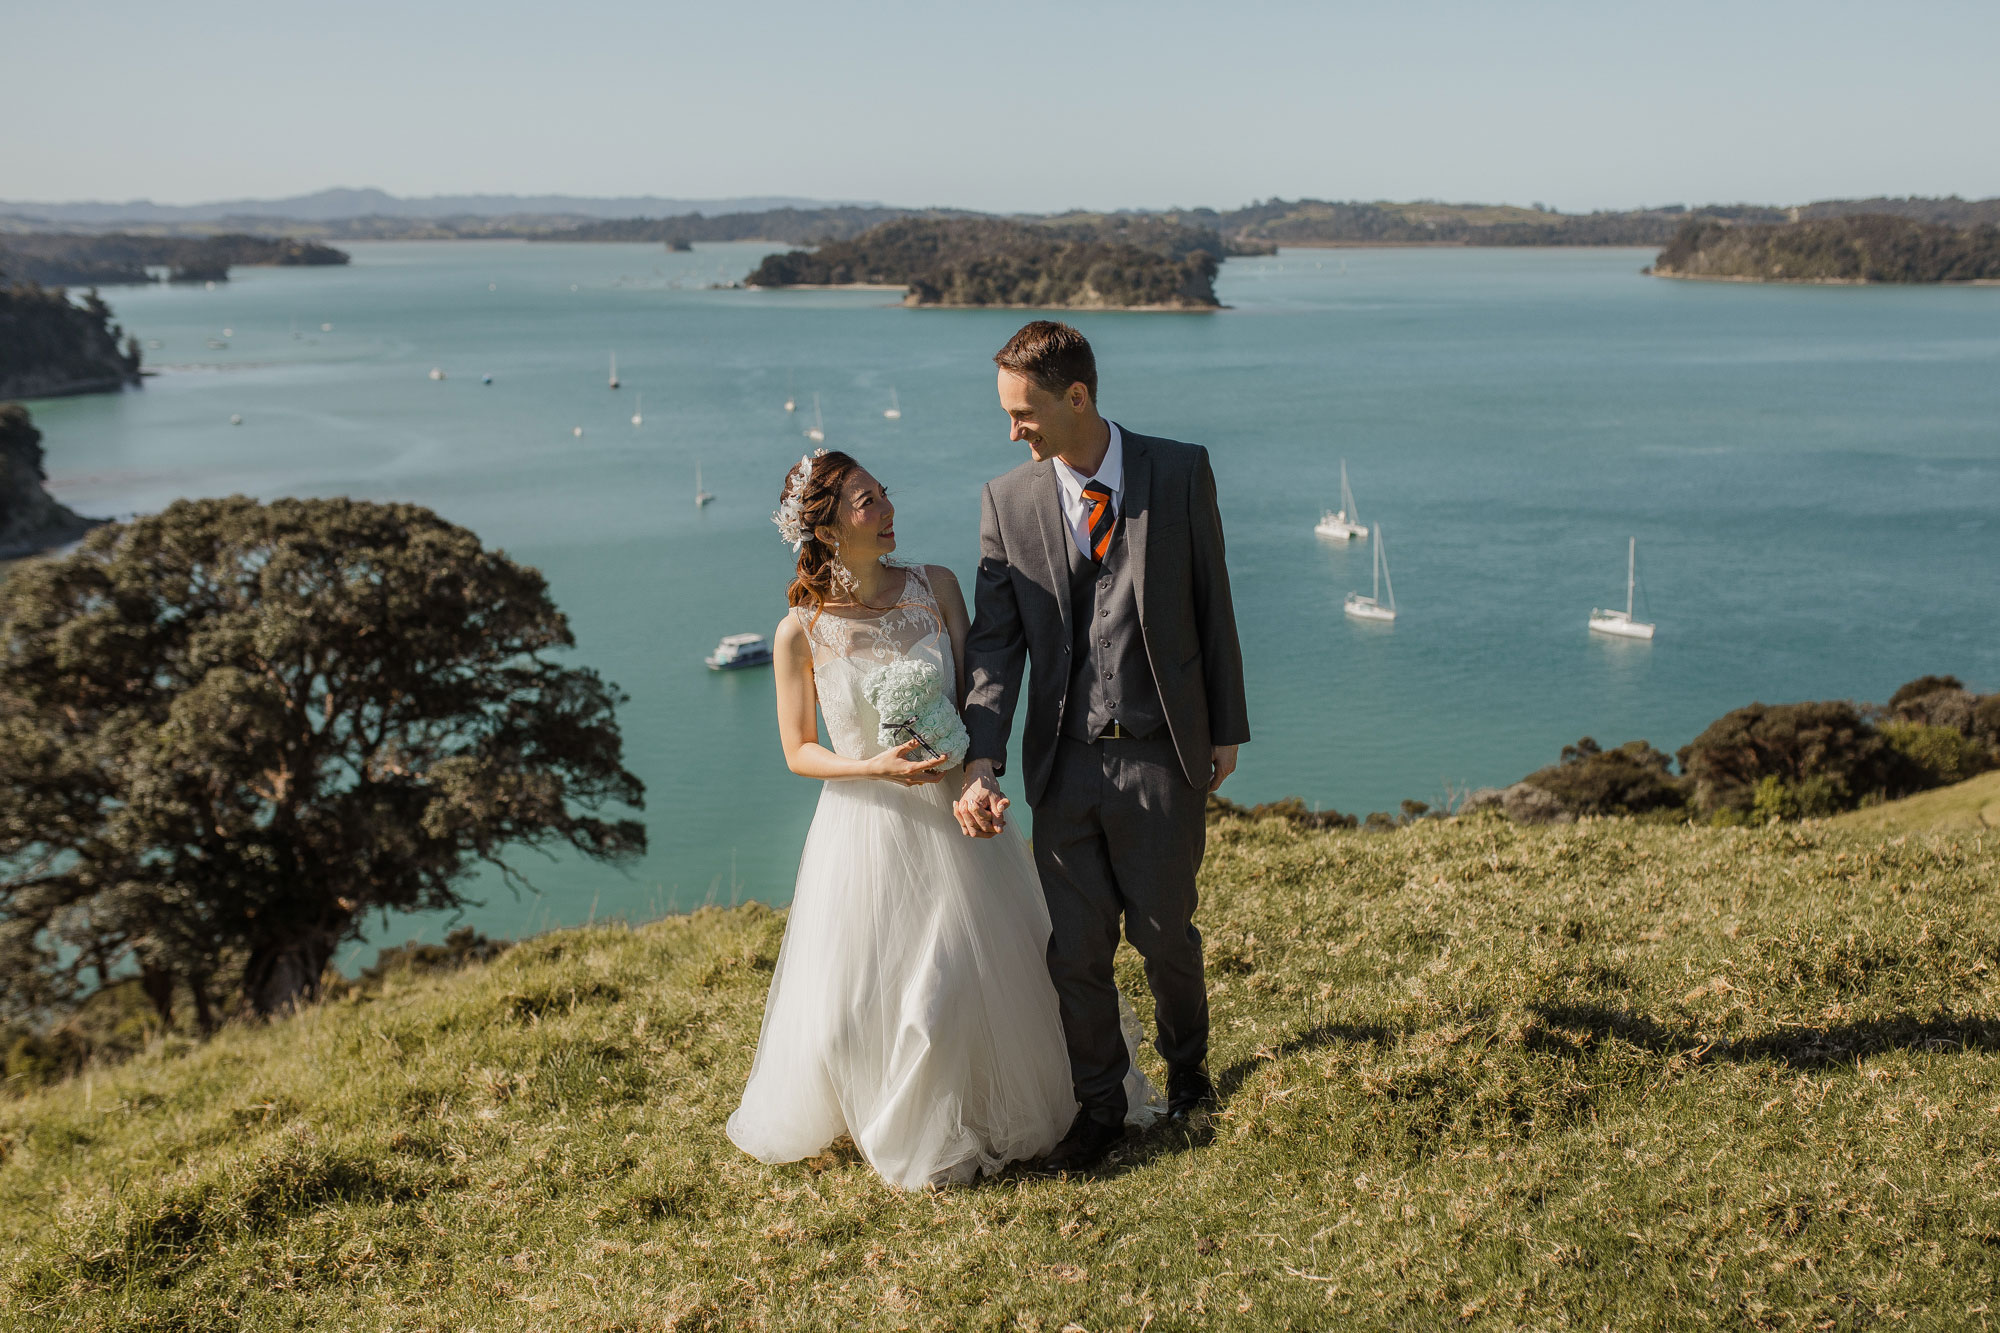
<point x="1812" y="474"/>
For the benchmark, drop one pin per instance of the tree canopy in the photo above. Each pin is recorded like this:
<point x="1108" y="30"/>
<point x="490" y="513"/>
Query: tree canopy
<point x="230" y="730"/>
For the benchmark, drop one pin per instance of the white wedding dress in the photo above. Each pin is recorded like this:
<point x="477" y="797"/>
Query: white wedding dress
<point x="911" y="1007"/>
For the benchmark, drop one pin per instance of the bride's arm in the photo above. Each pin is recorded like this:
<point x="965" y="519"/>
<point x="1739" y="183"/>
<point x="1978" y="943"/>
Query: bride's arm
<point x="798" y="727"/>
<point x="957" y="624"/>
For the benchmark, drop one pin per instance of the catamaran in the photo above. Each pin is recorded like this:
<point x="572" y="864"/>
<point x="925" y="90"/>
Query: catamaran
<point x="1621" y="622"/>
<point x="614" y="370"/>
<point x="1341" y="525"/>
<point x="701" y="496"/>
<point x="894" y="411"/>
<point x="1371" y="608"/>
<point x="817" y="431"/>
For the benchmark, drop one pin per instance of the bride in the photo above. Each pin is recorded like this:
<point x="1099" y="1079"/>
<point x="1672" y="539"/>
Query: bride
<point x="911" y="1007"/>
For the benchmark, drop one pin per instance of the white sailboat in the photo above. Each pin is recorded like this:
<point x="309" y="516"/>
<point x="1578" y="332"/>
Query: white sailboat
<point x="894" y="411"/>
<point x="817" y="431"/>
<point x="1341" y="525"/>
<point x="639" y="410"/>
<point x="701" y="496"/>
<point x="791" y="403"/>
<point x="1621" y="623"/>
<point x="614" y="370"/>
<point x="1371" y="608"/>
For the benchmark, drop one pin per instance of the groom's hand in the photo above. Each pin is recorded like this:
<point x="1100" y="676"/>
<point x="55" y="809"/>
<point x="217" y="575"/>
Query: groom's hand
<point x="1224" y="759"/>
<point x="980" y="808"/>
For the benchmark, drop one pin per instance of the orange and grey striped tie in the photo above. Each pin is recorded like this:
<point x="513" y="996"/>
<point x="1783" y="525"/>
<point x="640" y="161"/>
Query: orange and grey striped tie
<point x="1103" y="518"/>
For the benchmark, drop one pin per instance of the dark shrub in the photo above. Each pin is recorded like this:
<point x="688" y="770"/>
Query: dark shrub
<point x="1630" y="780"/>
<point x="1822" y="750"/>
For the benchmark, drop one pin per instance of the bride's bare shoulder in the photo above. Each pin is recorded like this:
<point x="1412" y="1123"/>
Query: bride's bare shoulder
<point x="789" y="639"/>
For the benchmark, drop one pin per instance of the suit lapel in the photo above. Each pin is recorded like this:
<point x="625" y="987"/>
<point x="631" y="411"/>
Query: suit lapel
<point x="1055" y="537"/>
<point x="1136" y="510"/>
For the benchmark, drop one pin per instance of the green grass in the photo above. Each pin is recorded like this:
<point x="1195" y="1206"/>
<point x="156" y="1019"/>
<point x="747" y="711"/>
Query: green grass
<point x="1606" y="1076"/>
<point x="1970" y="805"/>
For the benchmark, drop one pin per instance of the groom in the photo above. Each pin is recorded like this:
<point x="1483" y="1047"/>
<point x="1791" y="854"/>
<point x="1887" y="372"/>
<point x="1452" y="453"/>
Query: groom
<point x="1101" y="563"/>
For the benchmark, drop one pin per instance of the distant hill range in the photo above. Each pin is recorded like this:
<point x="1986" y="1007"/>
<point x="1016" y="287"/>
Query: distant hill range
<point x="1864" y="248"/>
<point x="335" y="215"/>
<point x="975" y="261"/>
<point x="343" y="204"/>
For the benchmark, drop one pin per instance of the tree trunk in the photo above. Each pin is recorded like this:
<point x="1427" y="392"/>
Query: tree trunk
<point x="283" y="974"/>
<point x="158" y="987"/>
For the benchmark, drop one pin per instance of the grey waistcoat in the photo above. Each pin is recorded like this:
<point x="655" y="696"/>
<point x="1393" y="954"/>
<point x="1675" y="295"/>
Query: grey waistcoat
<point x="1112" y="677"/>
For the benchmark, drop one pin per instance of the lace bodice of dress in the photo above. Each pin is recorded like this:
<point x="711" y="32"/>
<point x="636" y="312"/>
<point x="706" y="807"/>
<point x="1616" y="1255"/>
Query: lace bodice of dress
<point x="847" y="646"/>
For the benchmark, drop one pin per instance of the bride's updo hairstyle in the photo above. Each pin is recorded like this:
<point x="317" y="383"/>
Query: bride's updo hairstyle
<point x="813" y="504"/>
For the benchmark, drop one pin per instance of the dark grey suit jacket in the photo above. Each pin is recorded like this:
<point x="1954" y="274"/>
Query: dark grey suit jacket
<point x="1022" y="608"/>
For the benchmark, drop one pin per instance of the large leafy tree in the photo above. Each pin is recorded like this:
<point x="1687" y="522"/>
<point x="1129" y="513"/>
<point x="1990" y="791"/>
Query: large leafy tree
<point x="230" y="730"/>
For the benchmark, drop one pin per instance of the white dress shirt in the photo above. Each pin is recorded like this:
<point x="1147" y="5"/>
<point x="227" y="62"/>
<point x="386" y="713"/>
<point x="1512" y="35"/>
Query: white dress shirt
<point x="1110" y="474"/>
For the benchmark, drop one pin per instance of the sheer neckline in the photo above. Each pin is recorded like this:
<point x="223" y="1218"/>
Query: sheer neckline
<point x="862" y="611"/>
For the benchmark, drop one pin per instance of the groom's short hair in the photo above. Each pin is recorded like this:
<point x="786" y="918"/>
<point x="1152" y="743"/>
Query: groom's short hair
<point x="1051" y="355"/>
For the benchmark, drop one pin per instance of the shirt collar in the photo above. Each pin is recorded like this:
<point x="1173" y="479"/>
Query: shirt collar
<point x="1110" y="473"/>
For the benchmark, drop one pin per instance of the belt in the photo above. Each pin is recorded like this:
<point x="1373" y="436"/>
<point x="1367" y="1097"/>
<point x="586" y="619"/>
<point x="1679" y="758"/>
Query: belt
<point x="1115" y="731"/>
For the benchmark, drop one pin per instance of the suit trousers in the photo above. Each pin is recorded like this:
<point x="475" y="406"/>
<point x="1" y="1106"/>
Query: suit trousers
<point x="1120" y="831"/>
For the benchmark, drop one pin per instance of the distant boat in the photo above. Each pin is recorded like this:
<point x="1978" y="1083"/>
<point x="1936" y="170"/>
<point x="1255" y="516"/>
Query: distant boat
<point x="576" y="431"/>
<point x="739" y="650"/>
<point x="1371" y="608"/>
<point x="485" y="379"/>
<point x="436" y="373"/>
<point x="791" y="403"/>
<point x="701" y="496"/>
<point x="235" y="418"/>
<point x="638" y="410"/>
<point x="1621" y="623"/>
<point x="894" y="411"/>
<point x="1341" y="525"/>
<point x="217" y="343"/>
<point x="614" y="370"/>
<point x="817" y="431"/>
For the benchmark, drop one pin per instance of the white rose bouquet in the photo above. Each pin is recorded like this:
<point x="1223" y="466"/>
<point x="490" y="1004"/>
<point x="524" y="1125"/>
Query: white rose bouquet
<point x="911" y="698"/>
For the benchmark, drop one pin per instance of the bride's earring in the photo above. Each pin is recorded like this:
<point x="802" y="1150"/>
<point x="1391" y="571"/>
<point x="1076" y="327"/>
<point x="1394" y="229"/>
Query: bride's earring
<point x="838" y="572"/>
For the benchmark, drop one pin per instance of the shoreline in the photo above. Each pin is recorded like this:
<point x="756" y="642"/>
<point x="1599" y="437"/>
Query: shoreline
<point x="1816" y="282"/>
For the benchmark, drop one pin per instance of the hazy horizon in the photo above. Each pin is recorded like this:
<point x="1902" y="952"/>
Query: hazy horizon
<point x="1035" y="108"/>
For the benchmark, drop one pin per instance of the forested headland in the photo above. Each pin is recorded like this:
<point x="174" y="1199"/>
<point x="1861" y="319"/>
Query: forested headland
<point x="30" y="519"/>
<point x="989" y="262"/>
<point x="1867" y="248"/>
<point x="49" y="345"/>
<point x="77" y="260"/>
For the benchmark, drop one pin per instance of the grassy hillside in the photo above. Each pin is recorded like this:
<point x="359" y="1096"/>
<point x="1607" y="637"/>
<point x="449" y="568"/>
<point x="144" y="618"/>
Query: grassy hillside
<point x="1478" y="1076"/>
<point x="1970" y="805"/>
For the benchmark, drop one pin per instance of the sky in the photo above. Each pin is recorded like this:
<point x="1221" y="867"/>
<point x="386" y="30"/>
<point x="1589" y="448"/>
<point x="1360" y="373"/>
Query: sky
<point x="1028" y="106"/>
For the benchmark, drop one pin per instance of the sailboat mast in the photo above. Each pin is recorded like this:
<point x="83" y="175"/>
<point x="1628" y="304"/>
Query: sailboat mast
<point x="1377" y="595"/>
<point x="1382" y="552"/>
<point x="1631" y="574"/>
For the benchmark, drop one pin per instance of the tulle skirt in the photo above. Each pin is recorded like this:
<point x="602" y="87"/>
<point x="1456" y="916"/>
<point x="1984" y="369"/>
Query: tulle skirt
<point x="911" y="1007"/>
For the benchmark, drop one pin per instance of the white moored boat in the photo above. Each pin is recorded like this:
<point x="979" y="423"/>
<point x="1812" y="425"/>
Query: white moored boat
<point x="701" y="496"/>
<point x="1341" y="524"/>
<point x="614" y="370"/>
<point x="817" y="431"/>
<point x="1621" y="623"/>
<point x="1371" y="608"/>
<point x="739" y="650"/>
<point x="894" y="411"/>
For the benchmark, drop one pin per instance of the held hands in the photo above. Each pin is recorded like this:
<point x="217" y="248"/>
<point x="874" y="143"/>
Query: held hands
<point x="897" y="766"/>
<point x="981" y="809"/>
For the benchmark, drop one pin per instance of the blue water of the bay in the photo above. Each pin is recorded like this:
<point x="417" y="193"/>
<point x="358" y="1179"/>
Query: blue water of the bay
<point x="1811" y="472"/>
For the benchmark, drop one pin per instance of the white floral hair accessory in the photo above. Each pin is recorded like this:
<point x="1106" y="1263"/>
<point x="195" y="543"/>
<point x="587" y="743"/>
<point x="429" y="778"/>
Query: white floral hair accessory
<point x="791" y="523"/>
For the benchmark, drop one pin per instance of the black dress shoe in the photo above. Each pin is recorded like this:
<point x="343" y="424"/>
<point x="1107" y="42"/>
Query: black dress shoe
<point x="1189" y="1090"/>
<point x="1085" y="1145"/>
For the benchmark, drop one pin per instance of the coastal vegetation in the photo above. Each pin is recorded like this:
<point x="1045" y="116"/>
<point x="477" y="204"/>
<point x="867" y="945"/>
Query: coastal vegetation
<point x="1857" y="249"/>
<point x="50" y="345"/>
<point x="30" y="519"/>
<point x="231" y="730"/>
<point x="987" y="262"/>
<point x="70" y="259"/>
<point x="1474" y="1075"/>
